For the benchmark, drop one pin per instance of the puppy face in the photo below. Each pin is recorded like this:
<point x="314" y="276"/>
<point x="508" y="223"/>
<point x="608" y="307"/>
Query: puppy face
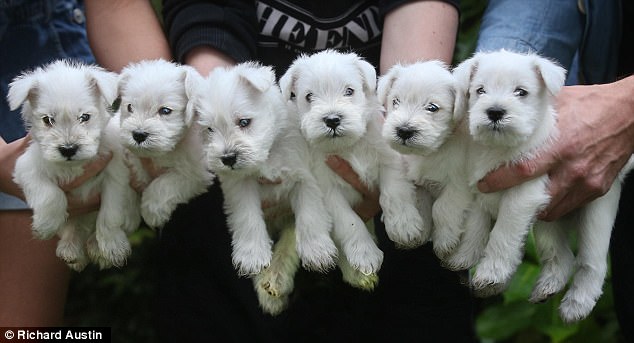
<point x="243" y="111"/>
<point x="509" y="95"/>
<point x="419" y="103"/>
<point x="333" y="93"/>
<point x="154" y="101"/>
<point x="65" y="107"/>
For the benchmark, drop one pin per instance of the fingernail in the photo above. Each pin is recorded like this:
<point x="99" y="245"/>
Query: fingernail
<point x="333" y="161"/>
<point x="483" y="187"/>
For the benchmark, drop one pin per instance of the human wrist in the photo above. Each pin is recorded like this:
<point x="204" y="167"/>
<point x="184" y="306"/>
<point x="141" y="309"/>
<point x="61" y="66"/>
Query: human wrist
<point x="205" y="58"/>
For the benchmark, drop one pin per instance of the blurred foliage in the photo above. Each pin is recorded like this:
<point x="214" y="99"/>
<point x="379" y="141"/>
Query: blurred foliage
<point x="120" y="298"/>
<point x="511" y="318"/>
<point x="124" y="298"/>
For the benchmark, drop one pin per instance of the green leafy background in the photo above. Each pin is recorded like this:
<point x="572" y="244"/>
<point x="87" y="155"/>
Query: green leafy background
<point x="124" y="299"/>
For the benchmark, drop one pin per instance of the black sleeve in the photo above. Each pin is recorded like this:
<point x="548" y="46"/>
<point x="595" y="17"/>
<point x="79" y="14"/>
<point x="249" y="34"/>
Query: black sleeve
<point x="388" y="5"/>
<point x="229" y="26"/>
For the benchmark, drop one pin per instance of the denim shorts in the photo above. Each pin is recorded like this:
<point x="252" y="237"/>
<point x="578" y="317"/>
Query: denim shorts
<point x="33" y="33"/>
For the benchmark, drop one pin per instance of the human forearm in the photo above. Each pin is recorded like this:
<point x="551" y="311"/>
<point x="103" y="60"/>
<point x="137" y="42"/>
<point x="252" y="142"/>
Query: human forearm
<point x="9" y="153"/>
<point x="419" y="30"/>
<point x="123" y="31"/>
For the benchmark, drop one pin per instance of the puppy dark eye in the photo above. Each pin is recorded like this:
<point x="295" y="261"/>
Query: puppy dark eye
<point x="349" y="91"/>
<point x="84" y="117"/>
<point x="431" y="108"/>
<point x="210" y="130"/>
<point x="520" y="92"/>
<point x="130" y="108"/>
<point x="244" y="122"/>
<point x="309" y="97"/>
<point x="164" y="111"/>
<point x="48" y="121"/>
<point x="396" y="102"/>
<point x="480" y="91"/>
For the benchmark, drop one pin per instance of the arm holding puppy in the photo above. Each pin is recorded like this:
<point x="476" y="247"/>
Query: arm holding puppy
<point x="596" y="125"/>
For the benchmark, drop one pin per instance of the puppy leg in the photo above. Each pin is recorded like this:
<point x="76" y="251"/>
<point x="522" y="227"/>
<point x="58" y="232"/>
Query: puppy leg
<point x="250" y="239"/>
<point x="595" y="229"/>
<point x="505" y="248"/>
<point x="403" y="223"/>
<point x="556" y="259"/>
<point x="473" y="242"/>
<point x="70" y="247"/>
<point x="49" y="206"/>
<point x="449" y="212"/>
<point x="353" y="236"/>
<point x="313" y="224"/>
<point x="117" y="215"/>
<point x="163" y="194"/>
<point x="275" y="283"/>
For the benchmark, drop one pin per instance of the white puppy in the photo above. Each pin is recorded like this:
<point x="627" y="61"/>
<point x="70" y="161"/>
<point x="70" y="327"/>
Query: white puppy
<point x="251" y="137"/>
<point x="424" y="122"/>
<point x="511" y="117"/>
<point x="157" y="123"/>
<point x="65" y="106"/>
<point x="333" y="95"/>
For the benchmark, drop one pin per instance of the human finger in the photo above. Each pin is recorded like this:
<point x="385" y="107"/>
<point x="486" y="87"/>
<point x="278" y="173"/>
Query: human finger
<point x="514" y="174"/>
<point x="90" y="170"/>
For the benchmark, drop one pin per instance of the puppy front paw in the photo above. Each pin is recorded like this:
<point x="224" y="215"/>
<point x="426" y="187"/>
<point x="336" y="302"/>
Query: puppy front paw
<point x="114" y="247"/>
<point x="461" y="258"/>
<point x="546" y="286"/>
<point x="251" y="257"/>
<point x="155" y="215"/>
<point x="407" y="229"/>
<point x="317" y="253"/>
<point x="491" y="277"/>
<point x="576" y="306"/>
<point x="46" y="225"/>
<point x="72" y="253"/>
<point x="365" y="257"/>
<point x="445" y="241"/>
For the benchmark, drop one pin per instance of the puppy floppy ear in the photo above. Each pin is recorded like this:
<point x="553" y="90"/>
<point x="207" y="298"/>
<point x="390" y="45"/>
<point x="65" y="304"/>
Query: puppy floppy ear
<point x="553" y="75"/>
<point x="385" y="83"/>
<point x="463" y="74"/>
<point x="191" y="81"/>
<point x="288" y="80"/>
<point x="259" y="77"/>
<point x="103" y="83"/>
<point x="368" y="73"/>
<point x="23" y="88"/>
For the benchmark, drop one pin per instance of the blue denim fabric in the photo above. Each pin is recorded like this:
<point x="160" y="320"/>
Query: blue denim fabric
<point x="586" y="44"/>
<point x="33" y="33"/>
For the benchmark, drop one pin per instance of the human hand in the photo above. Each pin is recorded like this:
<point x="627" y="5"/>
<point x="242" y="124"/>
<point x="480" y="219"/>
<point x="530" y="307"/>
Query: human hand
<point x="369" y="205"/>
<point x="76" y="205"/>
<point x="139" y="183"/>
<point x="596" y="139"/>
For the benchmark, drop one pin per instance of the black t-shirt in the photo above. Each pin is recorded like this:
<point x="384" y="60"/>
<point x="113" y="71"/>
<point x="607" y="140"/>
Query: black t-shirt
<point x="275" y="32"/>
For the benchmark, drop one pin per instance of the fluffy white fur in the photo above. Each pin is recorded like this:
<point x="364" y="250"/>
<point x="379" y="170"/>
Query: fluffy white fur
<point x="511" y="117"/>
<point x="250" y="137"/>
<point x="333" y="95"/>
<point x="424" y="121"/>
<point x="65" y="106"/>
<point x="157" y="123"/>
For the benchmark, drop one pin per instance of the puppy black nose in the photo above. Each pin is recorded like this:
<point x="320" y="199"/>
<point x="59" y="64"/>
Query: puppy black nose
<point x="68" y="150"/>
<point x="496" y="113"/>
<point x="139" y="136"/>
<point x="229" y="159"/>
<point x="332" y="120"/>
<point x="405" y="132"/>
